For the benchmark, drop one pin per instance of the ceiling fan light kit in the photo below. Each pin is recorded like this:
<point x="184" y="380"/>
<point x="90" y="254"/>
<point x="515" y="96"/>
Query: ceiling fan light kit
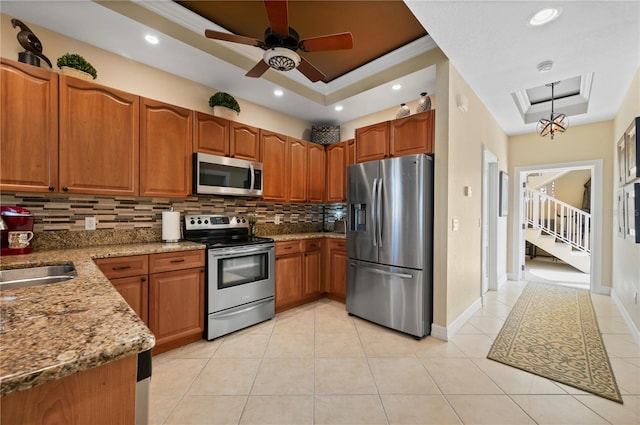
<point x="282" y="59"/>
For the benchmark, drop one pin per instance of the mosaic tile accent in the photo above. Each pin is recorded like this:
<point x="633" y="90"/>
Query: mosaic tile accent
<point x="59" y="218"/>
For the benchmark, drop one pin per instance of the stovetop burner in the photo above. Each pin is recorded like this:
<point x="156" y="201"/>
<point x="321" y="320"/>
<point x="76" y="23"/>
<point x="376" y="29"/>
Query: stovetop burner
<point x="220" y="231"/>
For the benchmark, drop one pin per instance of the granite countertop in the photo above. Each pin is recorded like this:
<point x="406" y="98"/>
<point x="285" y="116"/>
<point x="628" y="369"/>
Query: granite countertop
<point x="313" y="235"/>
<point x="51" y="331"/>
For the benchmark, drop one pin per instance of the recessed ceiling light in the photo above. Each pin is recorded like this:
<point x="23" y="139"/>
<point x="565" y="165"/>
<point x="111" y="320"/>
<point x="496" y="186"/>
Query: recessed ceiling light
<point x="396" y="87"/>
<point x="545" y="66"/>
<point x="278" y="92"/>
<point x="151" y="39"/>
<point x="338" y="108"/>
<point x="545" y="16"/>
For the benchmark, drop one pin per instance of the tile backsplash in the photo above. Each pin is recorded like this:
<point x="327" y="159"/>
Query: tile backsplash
<point x="59" y="217"/>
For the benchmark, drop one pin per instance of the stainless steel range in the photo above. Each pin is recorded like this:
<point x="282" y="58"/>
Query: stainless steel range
<point x="240" y="289"/>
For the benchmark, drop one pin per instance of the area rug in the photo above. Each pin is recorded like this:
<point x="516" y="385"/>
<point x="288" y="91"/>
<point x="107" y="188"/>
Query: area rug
<point x="552" y="332"/>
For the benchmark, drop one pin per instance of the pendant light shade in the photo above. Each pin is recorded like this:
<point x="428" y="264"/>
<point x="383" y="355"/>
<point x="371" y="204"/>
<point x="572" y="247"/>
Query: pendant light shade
<point x="556" y="124"/>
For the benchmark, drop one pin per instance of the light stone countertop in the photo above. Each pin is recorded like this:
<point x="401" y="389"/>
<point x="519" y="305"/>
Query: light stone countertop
<point x="51" y="331"/>
<point x="314" y="235"/>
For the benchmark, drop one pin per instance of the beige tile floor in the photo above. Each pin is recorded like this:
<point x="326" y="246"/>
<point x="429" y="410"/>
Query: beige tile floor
<point x="317" y="365"/>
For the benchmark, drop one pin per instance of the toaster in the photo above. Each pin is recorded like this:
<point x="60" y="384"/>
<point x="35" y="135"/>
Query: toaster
<point x="339" y="226"/>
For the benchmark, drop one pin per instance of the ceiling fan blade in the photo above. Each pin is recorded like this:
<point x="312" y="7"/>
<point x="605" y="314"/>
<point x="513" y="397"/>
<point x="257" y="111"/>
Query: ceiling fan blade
<point x="277" y="12"/>
<point x="310" y="71"/>
<point x="257" y="71"/>
<point x="224" y="36"/>
<point x="340" y="41"/>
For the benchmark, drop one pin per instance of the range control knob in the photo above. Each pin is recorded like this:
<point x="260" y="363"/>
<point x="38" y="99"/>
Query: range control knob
<point x="192" y="221"/>
<point x="206" y="222"/>
<point x="243" y="220"/>
<point x="199" y="221"/>
<point x="237" y="220"/>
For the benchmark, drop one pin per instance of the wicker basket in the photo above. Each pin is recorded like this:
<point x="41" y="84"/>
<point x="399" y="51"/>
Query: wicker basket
<point x="325" y="134"/>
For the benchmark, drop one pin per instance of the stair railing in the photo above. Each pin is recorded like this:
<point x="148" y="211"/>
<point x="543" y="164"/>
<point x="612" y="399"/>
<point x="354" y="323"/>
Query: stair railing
<point x="559" y="219"/>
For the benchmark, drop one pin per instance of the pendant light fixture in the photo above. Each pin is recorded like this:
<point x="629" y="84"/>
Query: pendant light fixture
<point x="556" y="124"/>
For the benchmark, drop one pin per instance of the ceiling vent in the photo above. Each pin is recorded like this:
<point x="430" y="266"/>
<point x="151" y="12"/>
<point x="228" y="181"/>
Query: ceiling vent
<point x="571" y="98"/>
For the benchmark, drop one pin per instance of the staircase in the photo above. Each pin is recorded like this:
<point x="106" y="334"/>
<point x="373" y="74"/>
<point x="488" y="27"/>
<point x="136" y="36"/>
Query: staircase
<point x="558" y="228"/>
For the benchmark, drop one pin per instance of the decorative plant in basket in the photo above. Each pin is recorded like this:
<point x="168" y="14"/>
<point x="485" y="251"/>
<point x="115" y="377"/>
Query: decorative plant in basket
<point x="75" y="61"/>
<point x="226" y="100"/>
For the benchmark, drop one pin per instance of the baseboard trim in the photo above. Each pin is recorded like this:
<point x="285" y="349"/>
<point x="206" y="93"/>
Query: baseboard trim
<point x="446" y="333"/>
<point x="513" y="276"/>
<point x="625" y="315"/>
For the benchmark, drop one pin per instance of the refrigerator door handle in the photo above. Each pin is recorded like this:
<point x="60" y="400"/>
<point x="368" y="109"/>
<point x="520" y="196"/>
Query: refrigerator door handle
<point x="374" y="216"/>
<point x="371" y="269"/>
<point x="379" y="212"/>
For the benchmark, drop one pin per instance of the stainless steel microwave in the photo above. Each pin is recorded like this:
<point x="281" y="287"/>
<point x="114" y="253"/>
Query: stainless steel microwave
<point x="219" y="175"/>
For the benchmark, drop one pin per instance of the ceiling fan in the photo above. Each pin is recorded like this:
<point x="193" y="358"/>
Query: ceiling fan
<point x="281" y="42"/>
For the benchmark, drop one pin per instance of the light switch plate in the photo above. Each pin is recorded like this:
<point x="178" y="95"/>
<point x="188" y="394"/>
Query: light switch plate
<point x="89" y="223"/>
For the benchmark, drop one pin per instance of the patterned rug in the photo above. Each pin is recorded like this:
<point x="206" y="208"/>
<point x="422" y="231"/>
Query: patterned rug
<point x="552" y="332"/>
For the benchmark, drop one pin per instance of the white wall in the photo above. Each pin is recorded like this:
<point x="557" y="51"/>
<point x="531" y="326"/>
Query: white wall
<point x="626" y="254"/>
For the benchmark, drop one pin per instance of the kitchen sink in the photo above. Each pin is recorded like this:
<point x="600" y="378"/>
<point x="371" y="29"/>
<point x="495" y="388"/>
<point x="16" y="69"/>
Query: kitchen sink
<point x="33" y="276"/>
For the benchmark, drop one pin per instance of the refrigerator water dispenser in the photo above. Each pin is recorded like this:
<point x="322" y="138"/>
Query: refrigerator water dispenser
<point x="358" y="218"/>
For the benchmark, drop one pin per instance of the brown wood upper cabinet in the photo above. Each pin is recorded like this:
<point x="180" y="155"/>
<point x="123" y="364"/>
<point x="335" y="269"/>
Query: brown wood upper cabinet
<point x="372" y="142"/>
<point x="275" y="166"/>
<point x="404" y="136"/>
<point x="298" y="165"/>
<point x="28" y="128"/>
<point x="413" y="134"/>
<point x="165" y="149"/>
<point x="99" y="150"/>
<point x="336" y="172"/>
<point x="316" y="171"/>
<point x="211" y="134"/>
<point x="244" y="142"/>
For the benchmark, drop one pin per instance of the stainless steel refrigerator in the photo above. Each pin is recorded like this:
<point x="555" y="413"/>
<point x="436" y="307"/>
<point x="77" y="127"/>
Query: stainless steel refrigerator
<point x="390" y="243"/>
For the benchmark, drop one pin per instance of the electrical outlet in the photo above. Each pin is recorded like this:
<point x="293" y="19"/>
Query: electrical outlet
<point x="278" y="219"/>
<point x="89" y="223"/>
<point x="455" y="224"/>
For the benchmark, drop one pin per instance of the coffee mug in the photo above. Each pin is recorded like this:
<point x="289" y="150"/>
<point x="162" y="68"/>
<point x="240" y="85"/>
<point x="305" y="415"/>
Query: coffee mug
<point x="19" y="239"/>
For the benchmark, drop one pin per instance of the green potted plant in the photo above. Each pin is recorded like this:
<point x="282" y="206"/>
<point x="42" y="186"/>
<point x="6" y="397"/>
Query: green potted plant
<point x="71" y="62"/>
<point x="225" y="100"/>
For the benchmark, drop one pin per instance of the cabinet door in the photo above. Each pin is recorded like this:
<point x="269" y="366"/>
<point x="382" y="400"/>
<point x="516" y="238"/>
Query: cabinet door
<point x="176" y="305"/>
<point x="335" y="251"/>
<point x="211" y="134"/>
<point x="275" y="170"/>
<point x="288" y="280"/>
<point x="312" y="268"/>
<point x="165" y="150"/>
<point x="316" y="169"/>
<point x="244" y="142"/>
<point x="336" y="172"/>
<point x="372" y="142"/>
<point x="99" y="149"/>
<point x="351" y="151"/>
<point x="135" y="291"/>
<point x="297" y="170"/>
<point x="412" y="134"/>
<point x="28" y="128"/>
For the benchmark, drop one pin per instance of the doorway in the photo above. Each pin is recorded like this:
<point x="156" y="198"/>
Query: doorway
<point x="489" y="254"/>
<point x="595" y="205"/>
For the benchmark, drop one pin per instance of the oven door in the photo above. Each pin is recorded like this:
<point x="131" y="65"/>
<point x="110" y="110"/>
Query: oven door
<point x="239" y="275"/>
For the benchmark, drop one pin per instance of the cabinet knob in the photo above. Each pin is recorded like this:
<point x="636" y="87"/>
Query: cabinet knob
<point x="51" y="188"/>
<point x="65" y="188"/>
<point x="143" y="279"/>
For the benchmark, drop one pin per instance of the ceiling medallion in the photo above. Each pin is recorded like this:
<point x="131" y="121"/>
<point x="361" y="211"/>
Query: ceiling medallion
<point x="556" y="124"/>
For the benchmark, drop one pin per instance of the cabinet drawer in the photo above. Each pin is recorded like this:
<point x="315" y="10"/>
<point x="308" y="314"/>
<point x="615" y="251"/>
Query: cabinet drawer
<point x="117" y="267"/>
<point x="312" y="245"/>
<point x="288" y="247"/>
<point x="337" y="245"/>
<point x="170" y="261"/>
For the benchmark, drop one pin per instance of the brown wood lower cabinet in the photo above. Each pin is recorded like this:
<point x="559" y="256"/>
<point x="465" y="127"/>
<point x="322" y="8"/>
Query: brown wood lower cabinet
<point x="309" y="269"/>
<point x="336" y="272"/>
<point x="176" y="298"/>
<point x="101" y="395"/>
<point x="166" y="290"/>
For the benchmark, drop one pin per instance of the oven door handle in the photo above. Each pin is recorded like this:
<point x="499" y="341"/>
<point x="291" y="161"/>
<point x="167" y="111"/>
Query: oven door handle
<point x="244" y="310"/>
<point x="240" y="251"/>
